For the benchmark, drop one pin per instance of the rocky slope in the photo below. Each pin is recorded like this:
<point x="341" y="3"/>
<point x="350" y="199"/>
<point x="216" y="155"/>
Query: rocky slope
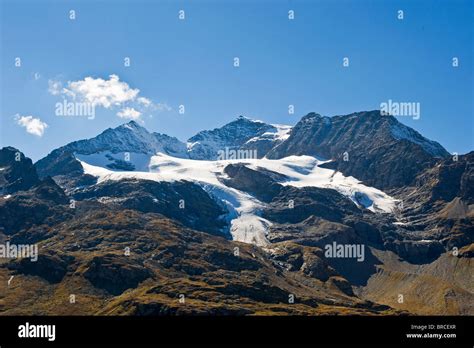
<point x="439" y="207"/>
<point x="376" y="149"/>
<point x="120" y="259"/>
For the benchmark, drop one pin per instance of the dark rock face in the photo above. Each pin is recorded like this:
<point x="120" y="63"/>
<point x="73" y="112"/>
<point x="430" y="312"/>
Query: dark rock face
<point x="66" y="170"/>
<point x="313" y="231"/>
<point x="293" y="205"/>
<point x="375" y="149"/>
<point x="260" y="146"/>
<point x="365" y="229"/>
<point x="438" y="210"/>
<point x="49" y="191"/>
<point x="114" y="274"/>
<point x="17" y="172"/>
<point x="416" y="251"/>
<point x="26" y="209"/>
<point x="184" y="201"/>
<point x="448" y="179"/>
<point x="40" y="203"/>
<point x="259" y="184"/>
<point x="342" y="284"/>
<point x="64" y="163"/>
<point x="51" y="267"/>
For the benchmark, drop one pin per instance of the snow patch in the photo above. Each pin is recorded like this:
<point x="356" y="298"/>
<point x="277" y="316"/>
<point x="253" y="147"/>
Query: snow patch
<point x="246" y="224"/>
<point x="106" y="159"/>
<point x="400" y="131"/>
<point x="281" y="132"/>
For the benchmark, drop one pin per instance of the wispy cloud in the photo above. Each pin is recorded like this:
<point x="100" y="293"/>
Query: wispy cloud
<point x="144" y="101"/>
<point x="162" y="107"/>
<point x="55" y="87"/>
<point x="32" y="125"/>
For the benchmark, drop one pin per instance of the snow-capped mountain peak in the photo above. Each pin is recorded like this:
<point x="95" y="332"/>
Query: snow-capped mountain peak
<point x="126" y="147"/>
<point x="131" y="125"/>
<point x="129" y="137"/>
<point x="242" y="133"/>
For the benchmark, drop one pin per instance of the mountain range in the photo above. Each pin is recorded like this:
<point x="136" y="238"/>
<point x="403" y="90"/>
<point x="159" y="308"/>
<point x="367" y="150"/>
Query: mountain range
<point x="239" y="220"/>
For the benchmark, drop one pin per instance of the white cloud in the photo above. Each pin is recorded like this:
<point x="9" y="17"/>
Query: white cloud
<point x="32" y="125"/>
<point x="129" y="113"/>
<point x="37" y="76"/>
<point x="106" y="93"/>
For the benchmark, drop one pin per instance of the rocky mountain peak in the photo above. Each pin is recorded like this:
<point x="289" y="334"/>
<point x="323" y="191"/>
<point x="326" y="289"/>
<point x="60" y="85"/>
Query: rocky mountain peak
<point x="16" y="171"/>
<point x="206" y="144"/>
<point x="310" y="116"/>
<point x="131" y="126"/>
<point x="366" y="145"/>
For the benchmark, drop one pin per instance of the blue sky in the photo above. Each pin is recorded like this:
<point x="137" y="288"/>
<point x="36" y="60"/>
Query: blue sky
<point x="282" y="62"/>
